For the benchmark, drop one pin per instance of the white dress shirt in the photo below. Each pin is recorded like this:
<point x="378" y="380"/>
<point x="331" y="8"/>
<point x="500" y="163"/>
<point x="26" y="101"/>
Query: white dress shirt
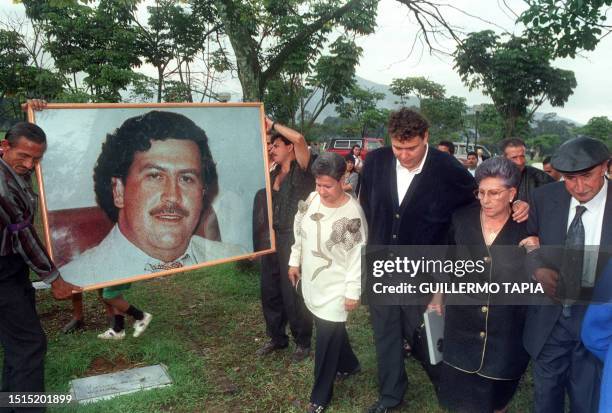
<point x="116" y="257"/>
<point x="592" y="220"/>
<point x="405" y="176"/>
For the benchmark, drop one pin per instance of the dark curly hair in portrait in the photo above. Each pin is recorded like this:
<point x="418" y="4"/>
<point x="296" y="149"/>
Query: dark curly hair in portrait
<point x="135" y="135"/>
<point x="406" y="123"/>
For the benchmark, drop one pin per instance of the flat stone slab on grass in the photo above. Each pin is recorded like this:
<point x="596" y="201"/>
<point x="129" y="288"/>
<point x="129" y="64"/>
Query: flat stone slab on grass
<point x="107" y="386"/>
<point x="39" y="285"/>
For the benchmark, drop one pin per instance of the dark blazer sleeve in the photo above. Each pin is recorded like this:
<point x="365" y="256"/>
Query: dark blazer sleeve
<point x="542" y="178"/>
<point x="462" y="184"/>
<point x="549" y="255"/>
<point x="364" y="188"/>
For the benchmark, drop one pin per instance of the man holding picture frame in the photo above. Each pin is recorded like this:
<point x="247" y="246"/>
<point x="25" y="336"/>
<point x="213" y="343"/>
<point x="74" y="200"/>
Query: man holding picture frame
<point x="23" y="339"/>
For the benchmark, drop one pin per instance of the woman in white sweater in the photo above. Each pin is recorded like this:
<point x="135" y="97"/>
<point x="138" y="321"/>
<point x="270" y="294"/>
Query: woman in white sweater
<point x="330" y="230"/>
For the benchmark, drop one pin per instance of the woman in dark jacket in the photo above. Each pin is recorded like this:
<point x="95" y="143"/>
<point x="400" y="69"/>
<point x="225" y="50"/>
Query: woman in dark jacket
<point x="483" y="353"/>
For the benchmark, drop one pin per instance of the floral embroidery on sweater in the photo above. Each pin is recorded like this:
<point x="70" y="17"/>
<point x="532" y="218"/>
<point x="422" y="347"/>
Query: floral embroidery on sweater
<point x="317" y="216"/>
<point x="299" y="217"/>
<point x="345" y="232"/>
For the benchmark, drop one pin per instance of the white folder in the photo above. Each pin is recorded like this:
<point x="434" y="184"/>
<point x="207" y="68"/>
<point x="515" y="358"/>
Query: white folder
<point x="434" y="330"/>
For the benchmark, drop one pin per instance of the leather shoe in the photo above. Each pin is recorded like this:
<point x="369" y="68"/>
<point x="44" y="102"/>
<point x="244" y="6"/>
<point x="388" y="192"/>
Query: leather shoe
<point x="343" y="375"/>
<point x="300" y="354"/>
<point x="269" y="347"/>
<point x="73" y="326"/>
<point x="379" y="408"/>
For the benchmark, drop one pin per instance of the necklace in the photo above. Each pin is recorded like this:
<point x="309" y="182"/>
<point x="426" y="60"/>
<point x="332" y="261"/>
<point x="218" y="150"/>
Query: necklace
<point x="490" y="233"/>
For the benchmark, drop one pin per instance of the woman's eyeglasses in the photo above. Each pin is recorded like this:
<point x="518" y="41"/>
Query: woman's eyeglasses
<point x="492" y="193"/>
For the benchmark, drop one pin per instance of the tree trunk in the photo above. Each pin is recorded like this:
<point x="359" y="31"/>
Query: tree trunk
<point x="160" y="80"/>
<point x="245" y="51"/>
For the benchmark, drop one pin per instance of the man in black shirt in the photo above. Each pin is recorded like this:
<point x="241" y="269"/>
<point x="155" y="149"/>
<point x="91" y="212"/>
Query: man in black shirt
<point x="531" y="178"/>
<point x="292" y="182"/>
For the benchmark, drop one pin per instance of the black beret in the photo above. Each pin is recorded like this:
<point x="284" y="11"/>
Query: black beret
<point x="579" y="154"/>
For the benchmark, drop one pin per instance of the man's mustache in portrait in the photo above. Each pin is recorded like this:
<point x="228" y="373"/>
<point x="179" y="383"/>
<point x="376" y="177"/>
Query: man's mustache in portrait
<point x="170" y="208"/>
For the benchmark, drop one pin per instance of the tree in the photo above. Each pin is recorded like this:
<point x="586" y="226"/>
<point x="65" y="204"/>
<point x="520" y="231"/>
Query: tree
<point x="174" y="33"/>
<point x="599" y="127"/>
<point x="490" y="124"/>
<point x="282" y="98"/>
<point x="268" y="36"/>
<point x="446" y="116"/>
<point x="567" y="26"/>
<point x="106" y="41"/>
<point x="333" y="78"/>
<point x="361" y="109"/>
<point x="418" y="86"/>
<point x="516" y="74"/>
<point x="544" y="144"/>
<point x="95" y="40"/>
<point x="549" y="124"/>
<point x="19" y="79"/>
<point x="299" y="98"/>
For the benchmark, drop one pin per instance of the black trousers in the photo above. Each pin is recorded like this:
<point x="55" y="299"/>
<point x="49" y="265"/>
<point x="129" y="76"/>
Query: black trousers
<point x="391" y="324"/>
<point x="280" y="301"/>
<point x="333" y="354"/>
<point x="22" y="338"/>
<point x="564" y="364"/>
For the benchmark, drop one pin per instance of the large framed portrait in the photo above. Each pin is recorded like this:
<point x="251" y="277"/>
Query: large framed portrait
<point x="131" y="191"/>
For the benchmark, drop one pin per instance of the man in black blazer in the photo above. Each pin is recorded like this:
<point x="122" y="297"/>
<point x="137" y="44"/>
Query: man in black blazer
<point x="552" y="332"/>
<point x="408" y="193"/>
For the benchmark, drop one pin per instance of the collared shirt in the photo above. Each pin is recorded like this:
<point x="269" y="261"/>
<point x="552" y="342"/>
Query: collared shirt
<point x="116" y="258"/>
<point x="358" y="163"/>
<point x="405" y="176"/>
<point x="296" y="186"/>
<point x="17" y="213"/>
<point x="592" y="219"/>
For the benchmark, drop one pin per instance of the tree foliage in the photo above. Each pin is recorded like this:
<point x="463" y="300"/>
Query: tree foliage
<point x="446" y="115"/>
<point x="516" y="74"/>
<point x="599" y="127"/>
<point x="544" y="144"/>
<point x="269" y="37"/>
<point x="174" y="33"/>
<point x="360" y="107"/>
<point x="417" y="86"/>
<point x="333" y="77"/>
<point x="95" y="40"/>
<point x="549" y="124"/>
<point x="567" y="26"/>
<point x="489" y="123"/>
<point x="20" y="79"/>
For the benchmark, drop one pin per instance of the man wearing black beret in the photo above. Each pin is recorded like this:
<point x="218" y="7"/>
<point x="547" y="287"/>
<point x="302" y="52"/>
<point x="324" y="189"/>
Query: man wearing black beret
<point x="567" y="216"/>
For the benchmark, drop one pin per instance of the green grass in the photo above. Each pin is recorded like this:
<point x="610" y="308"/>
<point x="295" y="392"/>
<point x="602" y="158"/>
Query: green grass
<point x="207" y="325"/>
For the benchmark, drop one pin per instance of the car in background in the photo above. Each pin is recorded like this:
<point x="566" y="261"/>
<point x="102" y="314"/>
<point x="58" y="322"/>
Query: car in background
<point x="343" y="146"/>
<point x="461" y="151"/>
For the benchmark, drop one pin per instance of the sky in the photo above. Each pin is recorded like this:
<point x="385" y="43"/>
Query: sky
<point x="386" y="55"/>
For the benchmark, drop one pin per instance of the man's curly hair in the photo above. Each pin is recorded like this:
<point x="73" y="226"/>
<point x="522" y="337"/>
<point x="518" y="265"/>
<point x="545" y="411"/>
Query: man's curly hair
<point x="405" y="124"/>
<point x="135" y="135"/>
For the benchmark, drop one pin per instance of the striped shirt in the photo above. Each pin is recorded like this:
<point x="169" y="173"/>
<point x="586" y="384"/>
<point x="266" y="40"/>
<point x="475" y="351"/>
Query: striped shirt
<point x="17" y="234"/>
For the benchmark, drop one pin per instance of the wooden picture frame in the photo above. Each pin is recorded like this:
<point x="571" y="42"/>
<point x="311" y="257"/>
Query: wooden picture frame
<point x="234" y="215"/>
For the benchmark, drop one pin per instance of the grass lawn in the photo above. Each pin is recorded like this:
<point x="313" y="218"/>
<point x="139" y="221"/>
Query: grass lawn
<point x="207" y="325"/>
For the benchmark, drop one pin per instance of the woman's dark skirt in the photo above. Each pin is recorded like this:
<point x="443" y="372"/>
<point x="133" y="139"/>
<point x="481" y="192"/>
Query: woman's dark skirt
<point x="469" y="392"/>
